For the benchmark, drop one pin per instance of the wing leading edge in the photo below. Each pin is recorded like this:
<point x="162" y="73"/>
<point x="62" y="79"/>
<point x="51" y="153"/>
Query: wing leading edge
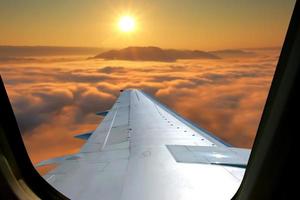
<point x="143" y="150"/>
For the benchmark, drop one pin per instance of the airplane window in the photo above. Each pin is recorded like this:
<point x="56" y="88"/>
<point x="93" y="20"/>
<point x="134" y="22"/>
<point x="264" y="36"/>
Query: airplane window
<point x="65" y="63"/>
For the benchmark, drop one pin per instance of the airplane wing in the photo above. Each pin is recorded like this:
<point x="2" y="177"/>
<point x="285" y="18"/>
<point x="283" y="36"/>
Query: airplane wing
<point x="143" y="150"/>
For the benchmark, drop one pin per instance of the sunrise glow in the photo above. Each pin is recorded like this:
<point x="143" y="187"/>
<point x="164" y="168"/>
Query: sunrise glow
<point x="126" y="24"/>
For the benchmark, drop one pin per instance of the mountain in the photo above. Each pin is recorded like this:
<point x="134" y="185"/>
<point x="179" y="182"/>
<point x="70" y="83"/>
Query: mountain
<point x="16" y="59"/>
<point x="226" y="53"/>
<point x="25" y="51"/>
<point x="153" y="54"/>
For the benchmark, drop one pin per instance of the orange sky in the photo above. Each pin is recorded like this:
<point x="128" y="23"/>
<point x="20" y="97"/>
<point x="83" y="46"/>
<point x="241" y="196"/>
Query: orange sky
<point x="193" y="24"/>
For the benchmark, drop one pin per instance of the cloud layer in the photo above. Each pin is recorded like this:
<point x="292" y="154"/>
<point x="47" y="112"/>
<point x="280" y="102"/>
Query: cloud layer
<point x="56" y="99"/>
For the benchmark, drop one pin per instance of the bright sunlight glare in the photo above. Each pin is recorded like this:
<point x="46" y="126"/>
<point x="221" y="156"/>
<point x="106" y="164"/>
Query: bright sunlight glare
<point x="126" y="24"/>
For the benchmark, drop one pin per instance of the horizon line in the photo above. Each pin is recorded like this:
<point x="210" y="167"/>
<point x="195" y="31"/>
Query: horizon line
<point x="94" y="47"/>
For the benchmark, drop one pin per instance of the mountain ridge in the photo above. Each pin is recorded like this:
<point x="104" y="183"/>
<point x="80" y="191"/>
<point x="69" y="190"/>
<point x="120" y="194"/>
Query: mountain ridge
<point x="152" y="53"/>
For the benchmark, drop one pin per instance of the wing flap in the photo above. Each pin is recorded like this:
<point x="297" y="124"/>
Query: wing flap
<point x="235" y="157"/>
<point x="102" y="113"/>
<point x="56" y="160"/>
<point x="84" y="136"/>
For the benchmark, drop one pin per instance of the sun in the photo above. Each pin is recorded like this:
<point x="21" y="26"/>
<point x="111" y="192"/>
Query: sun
<point x="126" y="24"/>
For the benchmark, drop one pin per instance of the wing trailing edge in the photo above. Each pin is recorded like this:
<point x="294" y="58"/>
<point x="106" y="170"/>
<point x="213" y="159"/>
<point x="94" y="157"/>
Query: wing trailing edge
<point x="58" y="160"/>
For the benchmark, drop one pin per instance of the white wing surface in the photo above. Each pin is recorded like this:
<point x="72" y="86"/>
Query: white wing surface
<point x="142" y="150"/>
